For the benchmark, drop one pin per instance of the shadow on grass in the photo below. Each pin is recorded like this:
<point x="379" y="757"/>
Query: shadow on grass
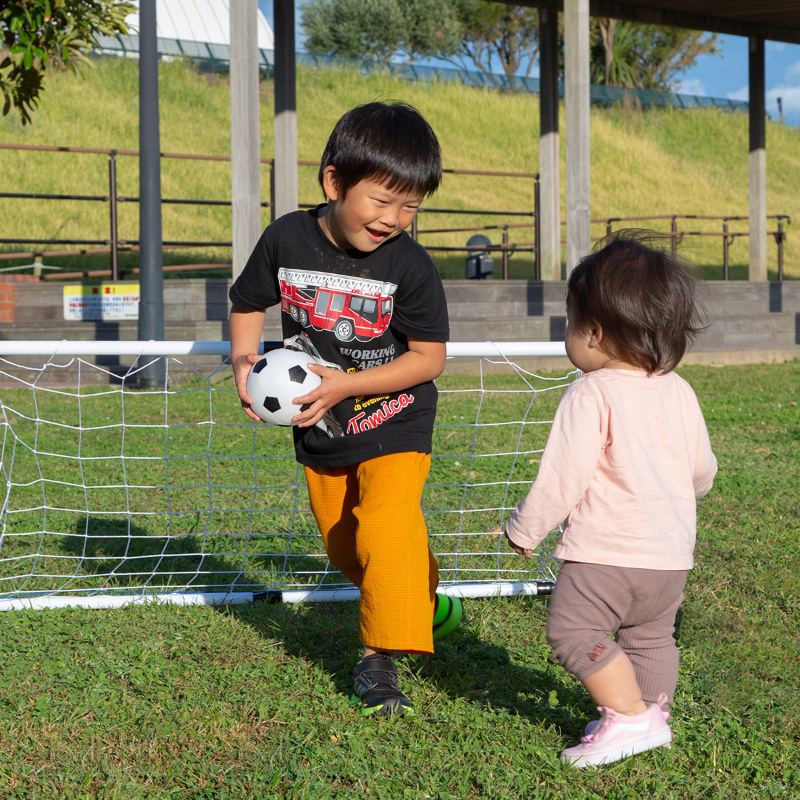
<point x="112" y="554"/>
<point x="464" y="666"/>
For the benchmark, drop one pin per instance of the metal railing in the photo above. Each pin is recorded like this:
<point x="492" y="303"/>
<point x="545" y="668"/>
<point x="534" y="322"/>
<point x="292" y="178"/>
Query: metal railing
<point x="114" y="244"/>
<point x="727" y="235"/>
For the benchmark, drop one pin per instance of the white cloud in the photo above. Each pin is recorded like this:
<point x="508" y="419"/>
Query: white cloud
<point x="775" y="47"/>
<point x="792" y="72"/>
<point x="740" y="94"/>
<point x="790" y="99"/>
<point x="692" y="86"/>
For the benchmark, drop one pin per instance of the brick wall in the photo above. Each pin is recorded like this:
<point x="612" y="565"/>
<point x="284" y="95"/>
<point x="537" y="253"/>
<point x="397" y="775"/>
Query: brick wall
<point x="7" y="285"/>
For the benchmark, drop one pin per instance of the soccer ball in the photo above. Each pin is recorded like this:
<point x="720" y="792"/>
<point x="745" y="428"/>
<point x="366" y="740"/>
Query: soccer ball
<point x="447" y="615"/>
<point x="275" y="380"/>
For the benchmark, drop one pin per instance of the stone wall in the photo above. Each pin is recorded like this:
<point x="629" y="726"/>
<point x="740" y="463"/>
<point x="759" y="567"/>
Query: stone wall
<point x="749" y="321"/>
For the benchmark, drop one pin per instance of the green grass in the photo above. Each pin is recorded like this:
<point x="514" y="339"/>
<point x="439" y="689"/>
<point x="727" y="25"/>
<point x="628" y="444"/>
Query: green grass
<point x="249" y="701"/>
<point x="664" y="161"/>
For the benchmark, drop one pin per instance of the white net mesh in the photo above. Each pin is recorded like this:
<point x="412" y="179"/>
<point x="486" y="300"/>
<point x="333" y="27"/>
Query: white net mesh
<point x="114" y="494"/>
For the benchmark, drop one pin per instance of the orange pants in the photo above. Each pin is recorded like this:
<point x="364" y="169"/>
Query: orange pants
<point x="371" y="522"/>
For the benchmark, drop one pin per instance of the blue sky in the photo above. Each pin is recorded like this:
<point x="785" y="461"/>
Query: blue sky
<point x="724" y="75"/>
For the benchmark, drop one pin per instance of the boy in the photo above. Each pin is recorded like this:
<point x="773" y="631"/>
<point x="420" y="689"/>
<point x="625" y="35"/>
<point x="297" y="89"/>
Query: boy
<point x="371" y="301"/>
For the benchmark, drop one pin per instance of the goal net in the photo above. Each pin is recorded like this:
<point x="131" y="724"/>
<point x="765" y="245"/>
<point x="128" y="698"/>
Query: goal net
<point x="114" y="494"/>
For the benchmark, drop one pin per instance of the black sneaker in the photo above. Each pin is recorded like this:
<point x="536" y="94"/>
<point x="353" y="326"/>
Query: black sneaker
<point x="375" y="683"/>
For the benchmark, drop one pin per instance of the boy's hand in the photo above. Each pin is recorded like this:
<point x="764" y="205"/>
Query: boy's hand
<point x="334" y="388"/>
<point x="241" y="369"/>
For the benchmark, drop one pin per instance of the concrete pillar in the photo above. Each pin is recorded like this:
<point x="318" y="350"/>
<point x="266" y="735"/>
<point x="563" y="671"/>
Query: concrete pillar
<point x="549" y="173"/>
<point x="576" y="91"/>
<point x="758" y="164"/>
<point x="285" y="109"/>
<point x="245" y="138"/>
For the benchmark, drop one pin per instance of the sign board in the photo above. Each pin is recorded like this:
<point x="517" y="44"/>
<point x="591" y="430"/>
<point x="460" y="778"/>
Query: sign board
<point x="103" y="302"/>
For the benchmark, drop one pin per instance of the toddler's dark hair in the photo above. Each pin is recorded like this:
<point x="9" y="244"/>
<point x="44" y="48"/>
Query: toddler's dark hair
<point x="645" y="299"/>
<point x="389" y="142"/>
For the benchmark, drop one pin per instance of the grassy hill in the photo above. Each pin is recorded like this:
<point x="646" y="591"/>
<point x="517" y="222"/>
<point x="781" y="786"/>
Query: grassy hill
<point x="660" y="162"/>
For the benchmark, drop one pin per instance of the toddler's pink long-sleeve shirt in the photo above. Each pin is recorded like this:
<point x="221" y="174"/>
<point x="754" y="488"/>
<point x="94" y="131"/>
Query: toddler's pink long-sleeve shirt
<point x="627" y="457"/>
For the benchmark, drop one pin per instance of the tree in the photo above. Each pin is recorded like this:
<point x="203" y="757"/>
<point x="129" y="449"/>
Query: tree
<point x="644" y="56"/>
<point x="488" y="35"/>
<point x="380" y="29"/>
<point x="37" y="36"/>
<point x="496" y="33"/>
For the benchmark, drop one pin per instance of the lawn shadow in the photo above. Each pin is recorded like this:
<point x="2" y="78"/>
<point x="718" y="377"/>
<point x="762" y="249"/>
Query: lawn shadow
<point x="111" y="553"/>
<point x="484" y="672"/>
<point x="464" y="666"/>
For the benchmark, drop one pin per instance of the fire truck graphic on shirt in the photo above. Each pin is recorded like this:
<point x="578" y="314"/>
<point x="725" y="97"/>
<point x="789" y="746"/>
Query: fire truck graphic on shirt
<point x="351" y="307"/>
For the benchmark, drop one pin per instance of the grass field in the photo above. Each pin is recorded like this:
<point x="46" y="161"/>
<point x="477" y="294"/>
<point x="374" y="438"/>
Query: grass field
<point x="249" y="702"/>
<point x="664" y="161"/>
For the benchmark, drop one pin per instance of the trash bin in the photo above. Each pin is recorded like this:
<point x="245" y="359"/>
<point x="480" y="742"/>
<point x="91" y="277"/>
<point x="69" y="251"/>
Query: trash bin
<point x="480" y="264"/>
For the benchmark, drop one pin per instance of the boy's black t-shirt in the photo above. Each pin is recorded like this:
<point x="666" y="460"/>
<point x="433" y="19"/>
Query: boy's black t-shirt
<point x="358" y="310"/>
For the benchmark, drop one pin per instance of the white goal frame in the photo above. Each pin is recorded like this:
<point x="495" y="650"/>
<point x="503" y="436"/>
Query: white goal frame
<point x="144" y="354"/>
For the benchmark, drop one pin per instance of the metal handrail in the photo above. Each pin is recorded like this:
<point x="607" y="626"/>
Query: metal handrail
<point x="114" y="244"/>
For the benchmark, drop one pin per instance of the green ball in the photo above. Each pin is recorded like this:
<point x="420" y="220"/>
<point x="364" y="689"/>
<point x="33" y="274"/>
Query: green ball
<point x="447" y="615"/>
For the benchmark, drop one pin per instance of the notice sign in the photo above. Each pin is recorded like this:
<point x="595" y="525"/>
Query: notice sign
<point x="104" y="302"/>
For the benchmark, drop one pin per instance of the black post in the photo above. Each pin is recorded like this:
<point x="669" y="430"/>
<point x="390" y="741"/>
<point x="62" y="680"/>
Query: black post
<point x="725" y="244"/>
<point x="151" y="255"/>
<point x="272" y="191"/>
<point x="674" y="237"/>
<point x="505" y="252"/>
<point x="537" y="230"/>
<point x="112" y="201"/>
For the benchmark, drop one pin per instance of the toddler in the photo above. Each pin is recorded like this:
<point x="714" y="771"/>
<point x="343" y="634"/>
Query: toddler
<point x="627" y="457"/>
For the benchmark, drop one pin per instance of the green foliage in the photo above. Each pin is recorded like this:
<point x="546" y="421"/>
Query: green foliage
<point x="379" y="29"/>
<point x="49" y="35"/>
<point x="644" y="56"/>
<point x="507" y="32"/>
<point x="480" y="34"/>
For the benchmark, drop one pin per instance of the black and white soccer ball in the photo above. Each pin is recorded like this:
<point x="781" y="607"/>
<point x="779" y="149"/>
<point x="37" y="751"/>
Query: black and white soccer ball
<point x="275" y="380"/>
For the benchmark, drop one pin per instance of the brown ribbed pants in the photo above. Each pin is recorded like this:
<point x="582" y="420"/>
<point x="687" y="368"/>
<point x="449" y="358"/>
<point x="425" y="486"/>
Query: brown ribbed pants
<point x="371" y="522"/>
<point x="592" y="602"/>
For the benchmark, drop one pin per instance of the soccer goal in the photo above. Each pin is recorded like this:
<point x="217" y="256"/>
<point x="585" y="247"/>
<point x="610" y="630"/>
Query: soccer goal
<point x="114" y="494"/>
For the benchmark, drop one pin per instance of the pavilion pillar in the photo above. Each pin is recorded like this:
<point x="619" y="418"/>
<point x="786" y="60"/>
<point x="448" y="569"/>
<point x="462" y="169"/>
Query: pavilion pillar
<point x="245" y="139"/>
<point x="285" y="169"/>
<point x="758" y="163"/>
<point x="576" y="92"/>
<point x="549" y="172"/>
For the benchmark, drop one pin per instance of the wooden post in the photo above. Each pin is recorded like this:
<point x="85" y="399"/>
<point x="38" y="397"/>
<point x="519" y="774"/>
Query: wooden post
<point x="245" y="138"/>
<point x="576" y="80"/>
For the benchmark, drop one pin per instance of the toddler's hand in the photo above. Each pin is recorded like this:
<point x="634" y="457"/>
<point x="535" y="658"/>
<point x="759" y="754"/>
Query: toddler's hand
<point x="520" y="551"/>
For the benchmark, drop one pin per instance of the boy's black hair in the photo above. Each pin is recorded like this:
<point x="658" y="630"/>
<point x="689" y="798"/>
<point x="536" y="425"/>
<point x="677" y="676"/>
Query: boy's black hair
<point x="389" y="142"/>
<point x="644" y="299"/>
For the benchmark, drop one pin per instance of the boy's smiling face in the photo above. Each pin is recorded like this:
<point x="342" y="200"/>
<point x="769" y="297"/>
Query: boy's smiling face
<point x="368" y="215"/>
